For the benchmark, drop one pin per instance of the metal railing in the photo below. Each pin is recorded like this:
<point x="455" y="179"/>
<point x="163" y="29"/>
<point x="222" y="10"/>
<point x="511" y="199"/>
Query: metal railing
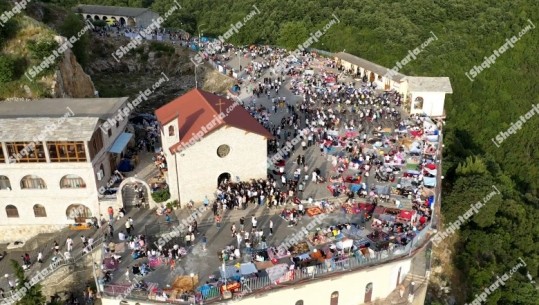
<point x="253" y="285"/>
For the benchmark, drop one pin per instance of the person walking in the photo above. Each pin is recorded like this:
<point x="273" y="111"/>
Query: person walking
<point x="218" y="221"/>
<point x="204" y="241"/>
<point x="110" y="210"/>
<point x="233" y="229"/>
<point x="128" y="227"/>
<point x="271" y="227"/>
<point x="40" y="257"/>
<point x="242" y="223"/>
<point x="56" y="247"/>
<point x="111" y="230"/>
<point x="263" y="244"/>
<point x="214" y="208"/>
<point x="239" y="239"/>
<point x="254" y="222"/>
<point x="69" y="244"/>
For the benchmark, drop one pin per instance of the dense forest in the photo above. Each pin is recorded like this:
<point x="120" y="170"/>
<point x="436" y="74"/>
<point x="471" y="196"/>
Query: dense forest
<point x="383" y="31"/>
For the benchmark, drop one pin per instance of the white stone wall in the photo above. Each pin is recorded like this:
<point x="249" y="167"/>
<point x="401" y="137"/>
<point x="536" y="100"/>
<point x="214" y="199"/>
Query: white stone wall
<point x="102" y="158"/>
<point x="199" y="166"/>
<point x="433" y="103"/>
<point x="350" y="286"/>
<point x="53" y="198"/>
<point x="166" y="142"/>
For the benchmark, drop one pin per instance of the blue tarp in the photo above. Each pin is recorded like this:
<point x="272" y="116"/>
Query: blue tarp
<point x="121" y="143"/>
<point x="355" y="188"/>
<point x="125" y="166"/>
<point x="429" y="181"/>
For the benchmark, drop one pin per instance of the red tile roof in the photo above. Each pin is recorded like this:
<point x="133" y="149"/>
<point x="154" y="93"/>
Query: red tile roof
<point x="196" y="108"/>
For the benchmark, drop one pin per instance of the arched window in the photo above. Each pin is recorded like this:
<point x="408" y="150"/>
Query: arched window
<point x="334" y="298"/>
<point x="4" y="183"/>
<point x="78" y="212"/>
<point x="418" y="103"/>
<point x="12" y="212"/>
<point x="170" y="131"/>
<point x="368" y="293"/>
<point x="39" y="211"/>
<point x="72" y="182"/>
<point x="32" y="182"/>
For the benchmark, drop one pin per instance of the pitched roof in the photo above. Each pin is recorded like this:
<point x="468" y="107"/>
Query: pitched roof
<point x="376" y="68"/>
<point x="196" y="108"/>
<point x="110" y="10"/>
<point x="429" y="84"/>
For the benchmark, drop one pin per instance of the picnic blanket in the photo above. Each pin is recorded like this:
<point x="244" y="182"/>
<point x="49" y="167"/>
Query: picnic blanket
<point x="154" y="262"/>
<point x="119" y="247"/>
<point x="350" y="209"/>
<point x="276" y="272"/>
<point x="110" y="263"/>
<point x="263" y="265"/>
<point x="313" y="211"/>
<point x="245" y="269"/>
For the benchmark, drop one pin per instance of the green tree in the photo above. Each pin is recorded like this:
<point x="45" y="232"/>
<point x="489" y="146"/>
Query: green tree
<point x="292" y="34"/>
<point x="7" y="68"/>
<point x="72" y="25"/>
<point x="30" y="296"/>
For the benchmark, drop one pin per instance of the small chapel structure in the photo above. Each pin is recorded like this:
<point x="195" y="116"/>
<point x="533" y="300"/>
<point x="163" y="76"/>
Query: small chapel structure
<point x="207" y="139"/>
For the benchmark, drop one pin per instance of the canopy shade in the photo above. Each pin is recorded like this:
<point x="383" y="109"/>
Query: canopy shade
<point x="121" y="143"/>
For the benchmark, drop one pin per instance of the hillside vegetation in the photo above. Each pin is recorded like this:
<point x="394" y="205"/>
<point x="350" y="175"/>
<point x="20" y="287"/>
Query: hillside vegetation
<point x="467" y="31"/>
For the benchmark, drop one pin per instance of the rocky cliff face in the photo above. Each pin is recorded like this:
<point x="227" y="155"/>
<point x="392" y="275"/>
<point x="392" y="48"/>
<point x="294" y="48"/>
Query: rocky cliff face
<point x="70" y="80"/>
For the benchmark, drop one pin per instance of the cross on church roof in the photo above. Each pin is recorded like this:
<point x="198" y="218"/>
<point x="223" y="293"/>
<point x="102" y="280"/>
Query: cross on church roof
<point x="220" y="104"/>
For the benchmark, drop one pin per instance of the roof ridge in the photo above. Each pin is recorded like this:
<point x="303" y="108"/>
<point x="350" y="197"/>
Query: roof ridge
<point x="206" y="100"/>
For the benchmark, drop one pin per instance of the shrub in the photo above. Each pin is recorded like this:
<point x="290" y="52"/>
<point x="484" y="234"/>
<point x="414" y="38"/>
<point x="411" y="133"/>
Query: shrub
<point x="7" y="69"/>
<point x="42" y="48"/>
<point x="163" y="47"/>
<point x="161" y="196"/>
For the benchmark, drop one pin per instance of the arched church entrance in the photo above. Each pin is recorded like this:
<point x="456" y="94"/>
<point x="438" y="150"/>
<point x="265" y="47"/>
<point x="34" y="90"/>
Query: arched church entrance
<point x="131" y="22"/>
<point x="122" y="21"/>
<point x="222" y="177"/>
<point x="135" y="194"/>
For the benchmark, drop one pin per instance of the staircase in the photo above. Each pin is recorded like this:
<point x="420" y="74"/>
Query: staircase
<point x="129" y="197"/>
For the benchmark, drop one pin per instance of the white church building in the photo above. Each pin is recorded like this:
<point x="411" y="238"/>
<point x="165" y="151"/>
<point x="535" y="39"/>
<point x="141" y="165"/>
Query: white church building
<point x="206" y="139"/>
